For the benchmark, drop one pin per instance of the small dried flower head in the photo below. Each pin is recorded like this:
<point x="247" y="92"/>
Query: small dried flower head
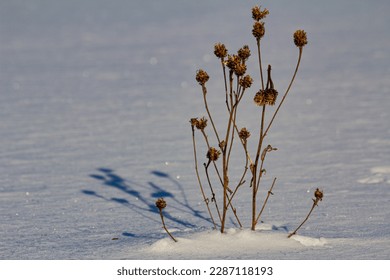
<point x="300" y="38"/>
<point x="318" y="194"/>
<point x="201" y="124"/>
<point x="258" y="30"/>
<point x="266" y="97"/>
<point x="244" y="53"/>
<point x="202" y="77"/>
<point x="194" y="121"/>
<point x="258" y="14"/>
<point x="270" y="96"/>
<point x="213" y="154"/>
<point x="260" y="98"/>
<point x="244" y="134"/>
<point x="220" y="50"/>
<point x="232" y="61"/>
<point x="160" y="203"/>
<point x="240" y="69"/>
<point x="246" y="81"/>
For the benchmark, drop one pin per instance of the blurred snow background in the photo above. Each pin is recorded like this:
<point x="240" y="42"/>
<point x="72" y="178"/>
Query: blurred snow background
<point x="95" y="99"/>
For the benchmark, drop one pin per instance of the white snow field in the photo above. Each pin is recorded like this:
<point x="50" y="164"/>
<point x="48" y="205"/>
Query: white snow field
<point x="95" y="102"/>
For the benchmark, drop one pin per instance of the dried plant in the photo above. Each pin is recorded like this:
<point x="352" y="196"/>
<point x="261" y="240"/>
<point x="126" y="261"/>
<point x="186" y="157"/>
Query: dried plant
<point x="318" y="194"/>
<point x="236" y="84"/>
<point x="161" y="204"/>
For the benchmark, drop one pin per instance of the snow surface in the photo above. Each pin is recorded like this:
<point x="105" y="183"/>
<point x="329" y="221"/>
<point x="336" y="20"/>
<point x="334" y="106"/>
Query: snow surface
<point x="95" y="99"/>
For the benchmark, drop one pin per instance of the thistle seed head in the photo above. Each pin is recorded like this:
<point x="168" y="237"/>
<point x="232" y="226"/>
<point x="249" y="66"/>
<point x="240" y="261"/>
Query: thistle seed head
<point x="194" y="121"/>
<point x="246" y="81"/>
<point x="266" y="97"/>
<point x="232" y="61"/>
<point x="240" y="69"/>
<point x="260" y="98"/>
<point x="244" y="53"/>
<point x="160" y="203"/>
<point x="213" y="154"/>
<point x="271" y="95"/>
<point x="201" y="124"/>
<point x="300" y="38"/>
<point x="220" y="50"/>
<point x="258" y="30"/>
<point x="202" y="77"/>
<point x="244" y="134"/>
<point x="318" y="194"/>
<point x="258" y="14"/>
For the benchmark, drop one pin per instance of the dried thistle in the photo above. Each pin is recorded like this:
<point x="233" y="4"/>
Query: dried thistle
<point x="202" y="77"/>
<point x="260" y="98"/>
<point x="258" y="30"/>
<point x="258" y="14"/>
<point x="300" y="38"/>
<point x="244" y="134"/>
<point x="240" y="69"/>
<point x="213" y="154"/>
<point x="201" y="124"/>
<point x="246" y="81"/>
<point x="233" y="61"/>
<point x="220" y="50"/>
<point x="161" y="204"/>
<point x="318" y="195"/>
<point x="270" y="96"/>
<point x="244" y="53"/>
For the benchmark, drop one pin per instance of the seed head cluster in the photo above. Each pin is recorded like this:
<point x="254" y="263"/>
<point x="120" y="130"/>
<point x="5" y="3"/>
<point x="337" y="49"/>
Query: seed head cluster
<point x="258" y="30"/>
<point x="266" y="97"/>
<point x="160" y="203"/>
<point x="202" y="77"/>
<point x="213" y="154"/>
<point x="199" y="123"/>
<point x="246" y="81"/>
<point x="300" y="38"/>
<point x="244" y="53"/>
<point x="244" y="134"/>
<point x="258" y="14"/>
<point x="220" y="50"/>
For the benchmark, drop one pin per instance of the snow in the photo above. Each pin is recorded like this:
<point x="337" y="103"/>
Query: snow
<point x="95" y="103"/>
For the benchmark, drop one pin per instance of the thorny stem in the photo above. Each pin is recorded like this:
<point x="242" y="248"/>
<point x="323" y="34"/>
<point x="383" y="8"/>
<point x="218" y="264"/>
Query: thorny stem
<point x="162" y="220"/>
<point x="205" y="199"/>
<point x="265" y="201"/>
<point x="315" y="203"/>
<point x="287" y="91"/>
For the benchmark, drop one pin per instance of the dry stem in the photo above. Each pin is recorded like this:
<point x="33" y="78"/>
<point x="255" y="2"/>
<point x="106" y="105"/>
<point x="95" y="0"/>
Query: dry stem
<point x="162" y="220"/>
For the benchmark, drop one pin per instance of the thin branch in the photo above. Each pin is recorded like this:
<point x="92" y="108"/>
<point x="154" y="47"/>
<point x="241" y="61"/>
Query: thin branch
<point x="265" y="201"/>
<point x="205" y="199"/>
<point x="287" y="91"/>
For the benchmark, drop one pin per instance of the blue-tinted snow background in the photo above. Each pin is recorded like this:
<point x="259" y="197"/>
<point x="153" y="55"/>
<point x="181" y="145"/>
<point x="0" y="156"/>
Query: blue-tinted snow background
<point x="95" y="102"/>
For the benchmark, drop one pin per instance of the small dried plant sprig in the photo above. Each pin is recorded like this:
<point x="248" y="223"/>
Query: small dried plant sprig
<point x="161" y="204"/>
<point x="318" y="195"/>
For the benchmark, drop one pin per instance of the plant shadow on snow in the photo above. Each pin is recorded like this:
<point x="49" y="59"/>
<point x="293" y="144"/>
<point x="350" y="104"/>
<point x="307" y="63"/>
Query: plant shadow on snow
<point x="141" y="197"/>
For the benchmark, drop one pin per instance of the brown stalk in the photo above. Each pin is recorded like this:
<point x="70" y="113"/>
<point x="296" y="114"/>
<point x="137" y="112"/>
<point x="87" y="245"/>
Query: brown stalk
<point x="205" y="199"/>
<point x="266" y="200"/>
<point x="287" y="91"/>
<point x="318" y="196"/>
<point x="161" y="204"/>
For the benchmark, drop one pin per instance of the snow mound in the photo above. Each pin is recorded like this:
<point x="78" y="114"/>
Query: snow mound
<point x="380" y="174"/>
<point x="233" y="243"/>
